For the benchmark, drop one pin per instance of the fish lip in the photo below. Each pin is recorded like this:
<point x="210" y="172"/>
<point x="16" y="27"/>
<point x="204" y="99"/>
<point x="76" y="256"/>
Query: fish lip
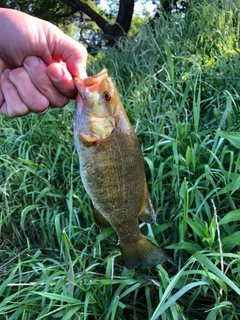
<point x="88" y="85"/>
<point x="95" y="79"/>
<point x="91" y="83"/>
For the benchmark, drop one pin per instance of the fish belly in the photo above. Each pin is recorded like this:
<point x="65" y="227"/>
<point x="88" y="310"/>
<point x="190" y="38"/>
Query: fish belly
<point x="113" y="174"/>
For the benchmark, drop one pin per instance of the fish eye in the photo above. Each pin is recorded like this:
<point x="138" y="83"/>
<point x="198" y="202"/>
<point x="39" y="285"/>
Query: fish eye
<point x="107" y="95"/>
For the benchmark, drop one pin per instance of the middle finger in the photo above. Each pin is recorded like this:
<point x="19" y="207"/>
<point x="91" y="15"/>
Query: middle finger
<point x="31" y="97"/>
<point x="37" y="71"/>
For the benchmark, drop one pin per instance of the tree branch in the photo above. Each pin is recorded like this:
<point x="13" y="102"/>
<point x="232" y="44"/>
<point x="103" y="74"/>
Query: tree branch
<point x="81" y="6"/>
<point x="111" y="32"/>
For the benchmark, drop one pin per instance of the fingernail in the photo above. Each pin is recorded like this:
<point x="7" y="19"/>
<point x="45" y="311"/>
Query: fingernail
<point x="32" y="61"/>
<point x="6" y="73"/>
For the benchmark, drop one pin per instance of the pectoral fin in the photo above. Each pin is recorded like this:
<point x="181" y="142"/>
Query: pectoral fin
<point x="99" y="218"/>
<point x="147" y="213"/>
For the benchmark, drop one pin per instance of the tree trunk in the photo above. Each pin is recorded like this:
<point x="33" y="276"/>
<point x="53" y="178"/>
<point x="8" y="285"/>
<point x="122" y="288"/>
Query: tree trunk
<point x="113" y="32"/>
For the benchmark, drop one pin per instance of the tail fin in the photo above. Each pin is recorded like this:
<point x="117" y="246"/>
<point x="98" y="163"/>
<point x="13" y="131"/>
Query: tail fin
<point x="142" y="252"/>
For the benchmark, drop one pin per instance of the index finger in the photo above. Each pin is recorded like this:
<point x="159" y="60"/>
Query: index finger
<point x="62" y="79"/>
<point x="73" y="54"/>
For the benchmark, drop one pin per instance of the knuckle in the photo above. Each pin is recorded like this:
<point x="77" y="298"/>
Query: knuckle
<point x="14" y="112"/>
<point x="17" y="74"/>
<point x="61" y="102"/>
<point x="40" y="104"/>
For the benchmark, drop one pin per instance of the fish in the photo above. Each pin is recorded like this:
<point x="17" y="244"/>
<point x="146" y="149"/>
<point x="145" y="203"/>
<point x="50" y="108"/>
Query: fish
<point x="112" y="168"/>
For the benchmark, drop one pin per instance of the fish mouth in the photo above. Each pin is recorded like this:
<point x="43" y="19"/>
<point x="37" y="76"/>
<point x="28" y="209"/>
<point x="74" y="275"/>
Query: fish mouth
<point x="91" y="83"/>
<point x="96" y="79"/>
<point x="88" y="85"/>
<point x="87" y="95"/>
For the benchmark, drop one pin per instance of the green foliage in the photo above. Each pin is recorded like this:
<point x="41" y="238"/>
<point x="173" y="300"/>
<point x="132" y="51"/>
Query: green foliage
<point x="179" y="82"/>
<point x="137" y="21"/>
<point x="54" y="11"/>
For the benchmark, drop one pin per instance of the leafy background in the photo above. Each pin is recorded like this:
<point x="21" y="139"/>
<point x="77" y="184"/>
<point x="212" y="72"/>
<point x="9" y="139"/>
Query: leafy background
<point x="179" y="82"/>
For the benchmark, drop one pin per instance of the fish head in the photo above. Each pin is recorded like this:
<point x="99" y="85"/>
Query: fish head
<point x="96" y="107"/>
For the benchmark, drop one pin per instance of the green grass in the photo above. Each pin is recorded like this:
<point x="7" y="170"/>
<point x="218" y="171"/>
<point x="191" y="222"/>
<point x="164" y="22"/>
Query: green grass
<point x="179" y="83"/>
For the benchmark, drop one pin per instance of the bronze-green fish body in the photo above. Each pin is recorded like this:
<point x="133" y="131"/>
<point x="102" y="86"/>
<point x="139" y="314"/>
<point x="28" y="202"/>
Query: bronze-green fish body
<point x="112" y="168"/>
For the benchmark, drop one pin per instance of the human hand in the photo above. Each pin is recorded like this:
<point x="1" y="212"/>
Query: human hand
<point x="32" y="71"/>
<point x="34" y="86"/>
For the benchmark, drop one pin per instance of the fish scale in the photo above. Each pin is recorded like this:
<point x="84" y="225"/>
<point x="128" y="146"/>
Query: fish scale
<point x="112" y="168"/>
<point x="115" y="170"/>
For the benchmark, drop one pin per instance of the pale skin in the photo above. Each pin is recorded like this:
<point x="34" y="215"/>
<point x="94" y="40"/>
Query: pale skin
<point x="37" y="64"/>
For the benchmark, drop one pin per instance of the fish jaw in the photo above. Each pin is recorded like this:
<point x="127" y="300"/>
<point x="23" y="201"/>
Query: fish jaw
<point x="82" y="124"/>
<point x="90" y="84"/>
<point x="104" y="115"/>
<point x="94" y="120"/>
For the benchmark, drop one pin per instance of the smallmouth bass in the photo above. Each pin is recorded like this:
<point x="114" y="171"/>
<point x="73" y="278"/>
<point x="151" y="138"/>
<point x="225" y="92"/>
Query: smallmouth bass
<point x="112" y="168"/>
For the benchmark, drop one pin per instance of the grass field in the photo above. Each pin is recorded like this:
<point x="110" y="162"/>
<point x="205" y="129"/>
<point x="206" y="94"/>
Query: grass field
<point x="179" y="82"/>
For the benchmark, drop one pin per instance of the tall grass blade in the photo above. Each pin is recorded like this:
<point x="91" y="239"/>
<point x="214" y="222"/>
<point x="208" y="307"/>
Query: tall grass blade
<point x="209" y="265"/>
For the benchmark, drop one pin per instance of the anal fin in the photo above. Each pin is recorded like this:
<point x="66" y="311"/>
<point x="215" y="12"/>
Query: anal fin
<point x="147" y="213"/>
<point x="99" y="219"/>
